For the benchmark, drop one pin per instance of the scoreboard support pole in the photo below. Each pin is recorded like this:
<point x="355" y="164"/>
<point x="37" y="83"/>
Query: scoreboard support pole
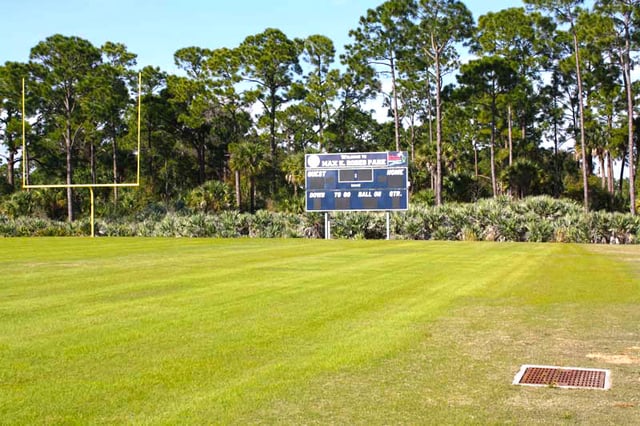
<point x="327" y="226"/>
<point x="388" y="227"/>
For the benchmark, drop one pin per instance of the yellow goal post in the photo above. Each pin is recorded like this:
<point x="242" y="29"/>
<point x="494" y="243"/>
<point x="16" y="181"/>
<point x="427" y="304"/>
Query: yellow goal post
<point x="91" y="186"/>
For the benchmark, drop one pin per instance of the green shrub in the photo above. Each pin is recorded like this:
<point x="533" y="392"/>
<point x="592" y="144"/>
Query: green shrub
<point x="7" y="226"/>
<point x="623" y="228"/>
<point x="312" y="225"/>
<point x="599" y="198"/>
<point x="539" y="230"/>
<point x="537" y="219"/>
<point x="424" y="197"/>
<point x="211" y="196"/>
<point x="464" y="188"/>
<point x="443" y="233"/>
<point x="233" y="224"/>
<point x="359" y="225"/>
<point x="266" y="224"/>
<point x="24" y="203"/>
<point x="574" y="228"/>
<point x="409" y="225"/>
<point x="470" y="233"/>
<point x="546" y="207"/>
<point x="349" y="225"/>
<point x="598" y="227"/>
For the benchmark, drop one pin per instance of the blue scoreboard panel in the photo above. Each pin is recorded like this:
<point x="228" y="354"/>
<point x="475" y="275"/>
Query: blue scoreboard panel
<point x="366" y="181"/>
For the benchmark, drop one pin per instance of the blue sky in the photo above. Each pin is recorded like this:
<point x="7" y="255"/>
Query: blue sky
<point x="155" y="29"/>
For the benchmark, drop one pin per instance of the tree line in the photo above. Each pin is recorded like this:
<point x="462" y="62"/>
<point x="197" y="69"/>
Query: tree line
<point x="544" y="105"/>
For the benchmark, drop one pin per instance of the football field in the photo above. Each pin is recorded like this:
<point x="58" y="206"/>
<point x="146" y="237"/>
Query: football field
<point x="245" y="331"/>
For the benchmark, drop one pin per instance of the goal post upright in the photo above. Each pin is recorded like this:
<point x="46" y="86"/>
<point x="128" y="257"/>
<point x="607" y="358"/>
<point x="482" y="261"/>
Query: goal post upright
<point x="90" y="186"/>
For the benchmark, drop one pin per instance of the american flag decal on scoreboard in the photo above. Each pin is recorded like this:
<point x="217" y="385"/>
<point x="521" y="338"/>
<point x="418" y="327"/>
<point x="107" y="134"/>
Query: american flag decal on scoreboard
<point x="396" y="159"/>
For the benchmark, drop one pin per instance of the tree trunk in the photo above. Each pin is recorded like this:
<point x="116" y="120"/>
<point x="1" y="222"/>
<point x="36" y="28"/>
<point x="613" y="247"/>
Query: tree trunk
<point x="438" y="126"/>
<point x="238" y="189"/>
<point x="252" y="195"/>
<point x="583" y="143"/>
<point x="68" y="146"/>
<point x="510" y="135"/>
<point x="92" y="162"/>
<point x="412" y="144"/>
<point x="166" y="179"/>
<point x="152" y="172"/>
<point x="114" y="158"/>
<point x="430" y="111"/>
<point x="395" y="103"/>
<point x="629" y="89"/>
<point x="475" y="159"/>
<point x="621" y="181"/>
<point x="69" y="180"/>
<point x="200" y="149"/>
<point x="10" y="171"/>
<point x="272" y="142"/>
<point x="321" y="126"/>
<point x="433" y="178"/>
<point x="610" y="179"/>
<point x="494" y="182"/>
<point x="557" y="184"/>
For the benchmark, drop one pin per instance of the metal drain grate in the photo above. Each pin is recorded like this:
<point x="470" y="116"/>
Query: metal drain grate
<point x="563" y="377"/>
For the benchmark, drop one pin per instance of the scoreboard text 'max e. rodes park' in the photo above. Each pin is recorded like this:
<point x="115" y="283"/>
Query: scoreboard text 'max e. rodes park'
<point x="364" y="181"/>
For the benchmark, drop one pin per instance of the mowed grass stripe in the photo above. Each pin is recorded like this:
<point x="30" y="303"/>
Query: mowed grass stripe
<point x="161" y="330"/>
<point x="247" y="293"/>
<point x="459" y="370"/>
<point x="385" y="323"/>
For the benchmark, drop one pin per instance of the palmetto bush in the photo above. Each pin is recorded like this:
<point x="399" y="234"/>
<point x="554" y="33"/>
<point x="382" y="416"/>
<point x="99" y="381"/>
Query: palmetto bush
<point x="432" y="219"/>
<point x="26" y="226"/>
<point x="7" y="226"/>
<point x="538" y="229"/>
<point x="119" y="229"/>
<point x="546" y="207"/>
<point x="232" y="224"/>
<point x="361" y="225"/>
<point x="537" y="219"/>
<point x="265" y="224"/>
<point x="598" y="227"/>
<point x="624" y="228"/>
<point x="572" y="228"/>
<point x="200" y="225"/>
<point x="510" y="227"/>
<point x="312" y="225"/>
<point x="170" y="226"/>
<point x="409" y="225"/>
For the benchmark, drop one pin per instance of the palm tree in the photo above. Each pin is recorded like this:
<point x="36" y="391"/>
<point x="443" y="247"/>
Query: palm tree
<point x="250" y="158"/>
<point x="293" y="166"/>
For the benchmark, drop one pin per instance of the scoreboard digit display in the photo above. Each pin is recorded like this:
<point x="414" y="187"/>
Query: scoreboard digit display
<point x="366" y="181"/>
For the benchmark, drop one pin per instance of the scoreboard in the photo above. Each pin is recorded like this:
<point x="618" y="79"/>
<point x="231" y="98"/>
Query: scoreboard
<point x="366" y="181"/>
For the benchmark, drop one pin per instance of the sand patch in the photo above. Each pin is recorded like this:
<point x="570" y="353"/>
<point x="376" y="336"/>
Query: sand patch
<point x="615" y="359"/>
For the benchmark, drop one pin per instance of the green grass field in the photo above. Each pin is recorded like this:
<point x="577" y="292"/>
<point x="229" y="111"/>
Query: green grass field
<point x="306" y="331"/>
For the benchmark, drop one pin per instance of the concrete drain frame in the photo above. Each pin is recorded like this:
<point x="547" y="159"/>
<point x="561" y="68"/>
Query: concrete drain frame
<point x="563" y="377"/>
